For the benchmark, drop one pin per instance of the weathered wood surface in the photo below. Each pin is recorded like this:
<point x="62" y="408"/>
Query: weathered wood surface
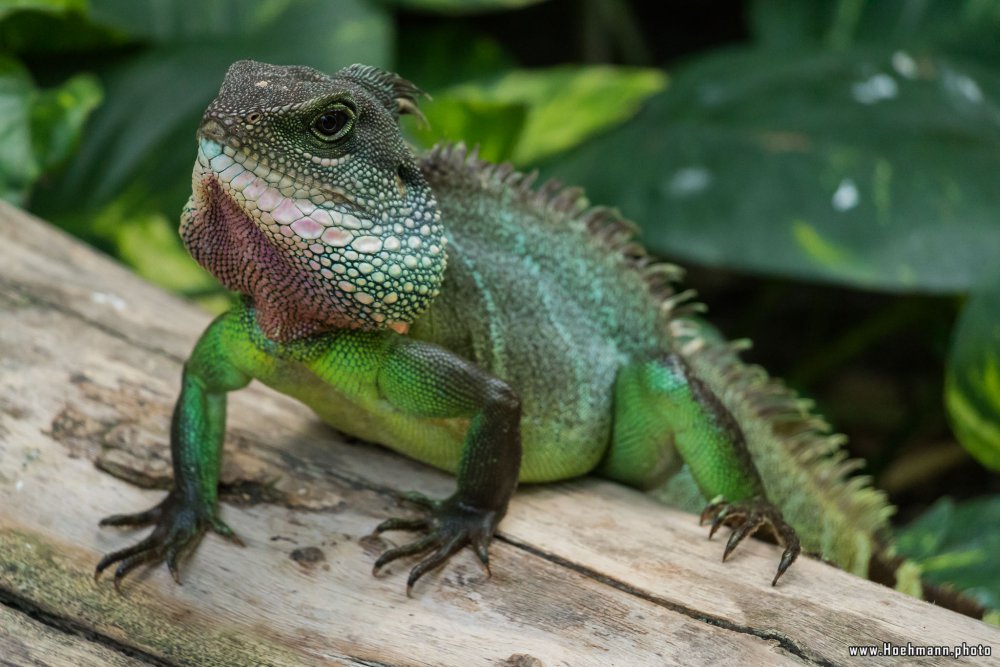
<point x="584" y="573"/>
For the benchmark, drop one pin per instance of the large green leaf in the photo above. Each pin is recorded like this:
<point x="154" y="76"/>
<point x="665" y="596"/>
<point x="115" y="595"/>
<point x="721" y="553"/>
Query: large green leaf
<point x="870" y="168"/>
<point x="972" y="387"/>
<point x="38" y="128"/>
<point x="555" y="108"/>
<point x="957" y="544"/>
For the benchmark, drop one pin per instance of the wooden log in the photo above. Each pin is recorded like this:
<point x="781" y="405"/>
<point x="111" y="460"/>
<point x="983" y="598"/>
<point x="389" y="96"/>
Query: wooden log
<point x="584" y="572"/>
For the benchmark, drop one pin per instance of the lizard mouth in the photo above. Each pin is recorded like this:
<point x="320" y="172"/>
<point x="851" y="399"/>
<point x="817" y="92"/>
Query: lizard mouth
<point x="307" y="262"/>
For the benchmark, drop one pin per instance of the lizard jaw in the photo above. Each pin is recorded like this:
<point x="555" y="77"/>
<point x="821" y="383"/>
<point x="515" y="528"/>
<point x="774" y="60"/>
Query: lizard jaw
<point x="307" y="264"/>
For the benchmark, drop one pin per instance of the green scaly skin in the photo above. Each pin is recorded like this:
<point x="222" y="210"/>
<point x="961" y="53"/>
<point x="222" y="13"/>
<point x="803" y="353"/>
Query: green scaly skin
<point x="447" y="309"/>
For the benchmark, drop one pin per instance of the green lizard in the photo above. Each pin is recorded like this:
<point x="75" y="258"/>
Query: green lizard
<point x="444" y="307"/>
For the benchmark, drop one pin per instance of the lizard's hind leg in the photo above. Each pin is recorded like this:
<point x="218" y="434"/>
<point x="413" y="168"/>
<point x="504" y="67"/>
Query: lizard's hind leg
<point x="665" y="417"/>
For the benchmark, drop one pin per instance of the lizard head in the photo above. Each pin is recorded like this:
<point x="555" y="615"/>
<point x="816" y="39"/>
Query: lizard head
<point x="306" y="199"/>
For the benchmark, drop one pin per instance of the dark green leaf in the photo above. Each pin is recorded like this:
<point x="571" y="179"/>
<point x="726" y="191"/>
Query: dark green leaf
<point x="38" y="129"/>
<point x="955" y="544"/>
<point x="867" y="168"/>
<point x="58" y="116"/>
<point x="972" y="389"/>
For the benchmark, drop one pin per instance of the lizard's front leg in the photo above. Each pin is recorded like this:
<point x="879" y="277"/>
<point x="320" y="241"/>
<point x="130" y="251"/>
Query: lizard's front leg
<point x="197" y="431"/>
<point x="427" y="381"/>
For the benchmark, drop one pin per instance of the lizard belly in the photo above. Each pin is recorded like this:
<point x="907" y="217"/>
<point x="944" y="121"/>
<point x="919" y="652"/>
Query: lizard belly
<point x="551" y="451"/>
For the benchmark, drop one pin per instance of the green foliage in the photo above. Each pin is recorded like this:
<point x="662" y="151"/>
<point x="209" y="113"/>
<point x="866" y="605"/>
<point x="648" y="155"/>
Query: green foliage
<point x="856" y="166"/>
<point x="494" y="127"/>
<point x="538" y="113"/>
<point x="972" y="390"/>
<point x="38" y="128"/>
<point x="956" y="545"/>
<point x="146" y="239"/>
<point x="516" y="114"/>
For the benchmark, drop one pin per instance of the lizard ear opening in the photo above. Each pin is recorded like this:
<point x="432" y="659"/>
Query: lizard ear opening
<point x="398" y="95"/>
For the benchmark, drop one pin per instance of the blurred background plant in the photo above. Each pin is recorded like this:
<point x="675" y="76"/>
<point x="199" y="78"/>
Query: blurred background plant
<point x="825" y="167"/>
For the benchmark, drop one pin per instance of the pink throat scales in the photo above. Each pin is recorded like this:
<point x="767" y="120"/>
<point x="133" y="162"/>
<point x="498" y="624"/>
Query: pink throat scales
<point x="290" y="300"/>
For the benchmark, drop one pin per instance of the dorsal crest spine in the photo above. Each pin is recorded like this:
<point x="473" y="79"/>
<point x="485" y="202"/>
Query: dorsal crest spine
<point x="397" y="94"/>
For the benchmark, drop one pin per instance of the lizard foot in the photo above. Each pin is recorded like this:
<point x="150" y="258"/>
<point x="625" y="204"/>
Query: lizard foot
<point x="449" y="525"/>
<point x="746" y="518"/>
<point x="179" y="526"/>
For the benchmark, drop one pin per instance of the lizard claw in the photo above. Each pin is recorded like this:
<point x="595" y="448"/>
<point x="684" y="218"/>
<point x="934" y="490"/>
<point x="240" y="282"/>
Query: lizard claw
<point x="178" y="526"/>
<point x="449" y="526"/>
<point x="747" y="517"/>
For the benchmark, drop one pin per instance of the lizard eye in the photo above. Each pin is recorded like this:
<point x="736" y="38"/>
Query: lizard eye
<point x="333" y="123"/>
